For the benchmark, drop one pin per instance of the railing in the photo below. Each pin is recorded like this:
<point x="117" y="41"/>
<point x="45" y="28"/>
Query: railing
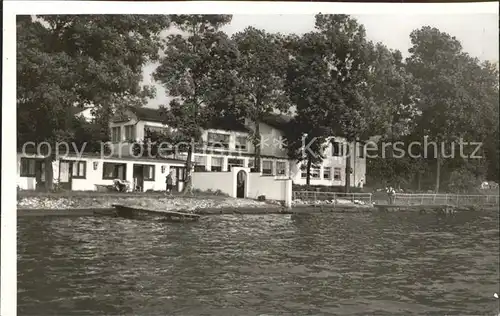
<point x="446" y="199"/>
<point x="333" y="197"/>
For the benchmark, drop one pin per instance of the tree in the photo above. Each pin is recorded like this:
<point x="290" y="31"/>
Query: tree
<point x="394" y="91"/>
<point x="310" y="93"/>
<point x="348" y="61"/>
<point x="452" y="90"/>
<point x="77" y="60"/>
<point x="258" y="78"/>
<point x="194" y="71"/>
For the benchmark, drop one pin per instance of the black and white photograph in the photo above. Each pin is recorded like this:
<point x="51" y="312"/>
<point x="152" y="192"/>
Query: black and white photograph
<point x="303" y="159"/>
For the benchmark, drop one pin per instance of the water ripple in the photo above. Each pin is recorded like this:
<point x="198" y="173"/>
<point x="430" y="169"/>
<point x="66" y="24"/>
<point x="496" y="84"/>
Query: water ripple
<point x="332" y="264"/>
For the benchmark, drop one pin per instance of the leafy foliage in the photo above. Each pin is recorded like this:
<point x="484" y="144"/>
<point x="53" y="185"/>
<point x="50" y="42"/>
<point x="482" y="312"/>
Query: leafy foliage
<point x="76" y="60"/>
<point x="258" y="78"/>
<point x="194" y="70"/>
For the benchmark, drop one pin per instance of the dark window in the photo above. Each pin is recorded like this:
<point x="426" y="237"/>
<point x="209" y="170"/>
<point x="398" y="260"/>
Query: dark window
<point x="234" y="163"/>
<point x="130" y="133"/>
<point x="337" y="174"/>
<point x="217" y="163"/>
<point x="27" y="167"/>
<point x="79" y="170"/>
<point x="361" y="150"/>
<point x="241" y="143"/>
<point x="267" y="167"/>
<point x="314" y="172"/>
<point x="116" y="134"/>
<point x="281" y="168"/>
<point x="113" y="171"/>
<point x="327" y="173"/>
<point x="148" y="172"/>
<point x="216" y="140"/>
<point x="200" y="163"/>
<point x="303" y="171"/>
<point x="337" y="149"/>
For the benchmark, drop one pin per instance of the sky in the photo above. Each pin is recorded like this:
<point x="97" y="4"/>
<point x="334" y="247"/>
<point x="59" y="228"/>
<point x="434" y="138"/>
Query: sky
<point x="478" y="33"/>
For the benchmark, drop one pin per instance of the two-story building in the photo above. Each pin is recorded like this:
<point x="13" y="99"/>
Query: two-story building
<point x="226" y="143"/>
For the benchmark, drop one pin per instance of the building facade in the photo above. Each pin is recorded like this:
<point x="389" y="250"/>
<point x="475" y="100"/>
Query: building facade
<point x="88" y="172"/>
<point x="225" y="144"/>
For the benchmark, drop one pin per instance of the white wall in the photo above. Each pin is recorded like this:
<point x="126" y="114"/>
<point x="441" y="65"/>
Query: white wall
<point x="223" y="181"/>
<point x="94" y="176"/>
<point x="271" y="187"/>
<point x="274" y="188"/>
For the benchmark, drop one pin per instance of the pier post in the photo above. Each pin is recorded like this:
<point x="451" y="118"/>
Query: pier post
<point x="288" y="194"/>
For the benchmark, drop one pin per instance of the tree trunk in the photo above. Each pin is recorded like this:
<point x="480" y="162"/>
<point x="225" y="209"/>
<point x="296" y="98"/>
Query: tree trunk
<point x="347" y="169"/>
<point x="49" y="174"/>
<point x="308" y="171"/>
<point x="188" y="185"/>
<point x="438" y="171"/>
<point x="257" y="146"/>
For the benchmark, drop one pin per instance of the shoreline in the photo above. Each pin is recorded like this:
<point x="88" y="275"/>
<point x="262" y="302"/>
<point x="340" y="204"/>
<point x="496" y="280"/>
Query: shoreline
<point x="102" y="205"/>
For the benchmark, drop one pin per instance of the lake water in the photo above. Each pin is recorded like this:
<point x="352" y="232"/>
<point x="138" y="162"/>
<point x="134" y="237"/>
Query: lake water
<point x="335" y="264"/>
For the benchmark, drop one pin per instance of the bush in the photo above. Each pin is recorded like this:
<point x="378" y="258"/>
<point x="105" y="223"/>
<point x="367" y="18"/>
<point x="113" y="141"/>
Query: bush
<point x="463" y="181"/>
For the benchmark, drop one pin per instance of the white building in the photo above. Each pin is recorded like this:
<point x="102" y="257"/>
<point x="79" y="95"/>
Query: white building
<point x="234" y="148"/>
<point x="225" y="145"/>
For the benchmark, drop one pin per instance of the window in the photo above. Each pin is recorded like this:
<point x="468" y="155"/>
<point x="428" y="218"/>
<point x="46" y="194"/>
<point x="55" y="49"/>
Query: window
<point x="27" y="167"/>
<point x="327" y="173"/>
<point x="234" y="163"/>
<point x="113" y="171"/>
<point x="267" y="167"/>
<point x="281" y="168"/>
<point x="337" y="149"/>
<point x="217" y="140"/>
<point x="361" y="150"/>
<point x="148" y="129"/>
<point x="241" y="143"/>
<point x="148" y="171"/>
<point x="200" y="163"/>
<point x="251" y="163"/>
<point x="217" y="163"/>
<point x="130" y="133"/>
<point x="116" y="134"/>
<point x="315" y="172"/>
<point x="303" y="171"/>
<point x="42" y="171"/>
<point x="337" y="176"/>
<point x="79" y="170"/>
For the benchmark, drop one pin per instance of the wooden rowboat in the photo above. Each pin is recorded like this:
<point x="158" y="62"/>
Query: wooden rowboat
<point x="142" y="213"/>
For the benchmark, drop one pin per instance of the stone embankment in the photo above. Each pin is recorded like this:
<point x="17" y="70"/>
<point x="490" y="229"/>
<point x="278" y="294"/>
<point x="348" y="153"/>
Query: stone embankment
<point x="158" y="202"/>
<point x="338" y="202"/>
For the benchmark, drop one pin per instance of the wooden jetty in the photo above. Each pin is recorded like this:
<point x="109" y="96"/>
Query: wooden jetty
<point x="421" y="208"/>
<point x="142" y="213"/>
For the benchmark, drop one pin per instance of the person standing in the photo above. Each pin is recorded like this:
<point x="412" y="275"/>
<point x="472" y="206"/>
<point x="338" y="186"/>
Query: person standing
<point x="390" y="194"/>
<point x="170" y="183"/>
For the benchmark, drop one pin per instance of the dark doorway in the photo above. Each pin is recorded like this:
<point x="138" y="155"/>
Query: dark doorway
<point x="138" y="176"/>
<point x="179" y="177"/>
<point x="241" y="179"/>
<point x="40" y="175"/>
<point x="65" y="174"/>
